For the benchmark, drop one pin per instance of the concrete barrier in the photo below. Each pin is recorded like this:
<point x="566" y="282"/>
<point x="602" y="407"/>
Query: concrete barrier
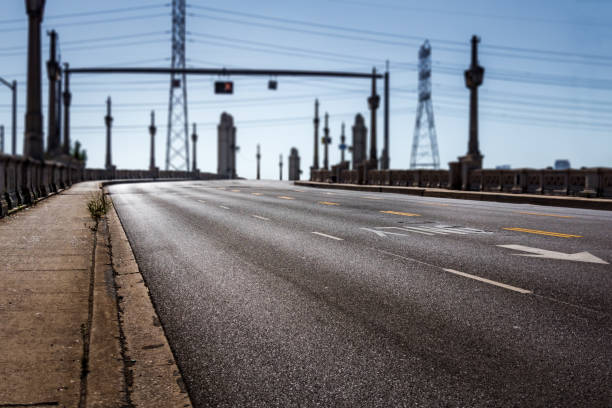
<point x="23" y="181"/>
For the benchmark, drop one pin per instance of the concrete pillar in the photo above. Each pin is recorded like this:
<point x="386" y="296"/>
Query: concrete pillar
<point x="326" y="141"/>
<point x="33" y="138"/>
<point x="67" y="98"/>
<point x="294" y="165"/>
<point x="226" y="146"/>
<point x="194" y="139"/>
<point x="360" y="132"/>
<point x="152" y="131"/>
<point x="108" y="120"/>
<point x="373" y="103"/>
<point x="54" y="74"/>
<point x="258" y="156"/>
<point x="315" y="164"/>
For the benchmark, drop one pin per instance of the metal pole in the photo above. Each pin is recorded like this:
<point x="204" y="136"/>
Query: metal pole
<point x="2" y="139"/>
<point x="14" y="121"/>
<point x="315" y="164"/>
<point x="342" y="144"/>
<point x="258" y="156"/>
<point x="280" y="165"/>
<point x="326" y="142"/>
<point x="194" y="139"/>
<point x="373" y="102"/>
<point x="108" y="119"/>
<point x="53" y="142"/>
<point x="33" y="140"/>
<point x="67" y="97"/>
<point x="385" y="158"/>
<point x="152" y="130"/>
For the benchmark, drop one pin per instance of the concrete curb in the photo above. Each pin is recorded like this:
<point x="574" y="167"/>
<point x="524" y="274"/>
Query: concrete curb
<point x="555" y="201"/>
<point x="153" y="378"/>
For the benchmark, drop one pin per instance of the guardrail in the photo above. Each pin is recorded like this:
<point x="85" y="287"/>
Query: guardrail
<point x="586" y="182"/>
<point x="23" y="181"/>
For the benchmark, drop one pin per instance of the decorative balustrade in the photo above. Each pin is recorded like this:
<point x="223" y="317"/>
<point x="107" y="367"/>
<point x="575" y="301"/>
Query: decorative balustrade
<point x="23" y="180"/>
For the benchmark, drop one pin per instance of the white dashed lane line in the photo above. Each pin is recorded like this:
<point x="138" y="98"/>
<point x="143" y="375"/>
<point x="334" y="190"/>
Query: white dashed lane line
<point x="327" y="236"/>
<point x="224" y="207"/>
<point x="260" y="217"/>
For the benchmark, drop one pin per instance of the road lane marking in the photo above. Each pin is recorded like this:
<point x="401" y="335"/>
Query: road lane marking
<point x="548" y="233"/>
<point x="299" y="191"/>
<point x="328" y="203"/>
<point x="489" y="281"/>
<point x="438" y="204"/>
<point x="405" y="214"/>
<point x="328" y="236"/>
<point x="202" y="201"/>
<point x="260" y="217"/>
<point x="331" y="193"/>
<point x="257" y="194"/>
<point x="235" y="191"/>
<point x="224" y="207"/>
<point x="221" y="188"/>
<point x="286" y="197"/>
<point x="372" y="198"/>
<point x="544" y="215"/>
<point x="543" y="253"/>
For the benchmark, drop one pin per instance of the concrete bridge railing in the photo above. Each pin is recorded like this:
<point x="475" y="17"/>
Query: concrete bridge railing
<point x="24" y="180"/>
<point x="586" y="182"/>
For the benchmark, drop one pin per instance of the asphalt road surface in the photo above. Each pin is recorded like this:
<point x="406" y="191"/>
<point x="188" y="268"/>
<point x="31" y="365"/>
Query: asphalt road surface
<point x="278" y="295"/>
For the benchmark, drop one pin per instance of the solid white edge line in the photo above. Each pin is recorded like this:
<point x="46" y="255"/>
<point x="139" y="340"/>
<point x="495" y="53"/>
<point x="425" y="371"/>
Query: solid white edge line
<point x="260" y="217"/>
<point x="327" y="236"/>
<point x="478" y="278"/>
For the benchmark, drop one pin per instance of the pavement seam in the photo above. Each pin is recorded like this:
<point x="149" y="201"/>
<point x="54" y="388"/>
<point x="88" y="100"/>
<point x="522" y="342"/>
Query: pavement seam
<point x="86" y="331"/>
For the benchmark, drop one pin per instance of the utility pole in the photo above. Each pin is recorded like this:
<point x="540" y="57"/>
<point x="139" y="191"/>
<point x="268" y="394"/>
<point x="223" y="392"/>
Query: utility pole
<point x="108" y="119"/>
<point x="54" y="74"/>
<point x="326" y="141"/>
<point x="315" y="164"/>
<point x="33" y="140"/>
<point x="280" y="166"/>
<point x="177" y="143"/>
<point x="258" y="156"/>
<point x="194" y="139"/>
<point x="13" y="87"/>
<point x="152" y="131"/>
<point x="67" y="98"/>
<point x="473" y="79"/>
<point x="385" y="153"/>
<point x="2" y="139"/>
<point x="373" y="102"/>
<point x="342" y="144"/>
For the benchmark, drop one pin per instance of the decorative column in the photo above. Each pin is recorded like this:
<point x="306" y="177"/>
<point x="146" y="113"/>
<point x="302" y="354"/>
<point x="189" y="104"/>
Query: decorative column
<point x="67" y="98"/>
<point x="108" y="119"/>
<point x="315" y="164"/>
<point x="258" y="156"/>
<point x="326" y="141"/>
<point x="152" y="131"/>
<point x="280" y="166"/>
<point x="294" y="164"/>
<point x="33" y="140"/>
<point x="342" y="144"/>
<point x="54" y="73"/>
<point x="194" y="139"/>
<point x="373" y="103"/>
<point x="384" y="165"/>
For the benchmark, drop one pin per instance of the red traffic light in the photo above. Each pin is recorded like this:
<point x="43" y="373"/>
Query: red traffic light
<point x="224" y="87"/>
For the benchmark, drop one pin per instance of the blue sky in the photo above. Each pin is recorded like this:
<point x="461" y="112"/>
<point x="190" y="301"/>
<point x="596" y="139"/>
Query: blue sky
<point x="547" y="92"/>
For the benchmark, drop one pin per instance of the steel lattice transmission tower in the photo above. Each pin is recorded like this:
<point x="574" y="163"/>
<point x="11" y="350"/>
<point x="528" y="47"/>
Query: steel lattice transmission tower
<point x="424" y="142"/>
<point x="177" y="143"/>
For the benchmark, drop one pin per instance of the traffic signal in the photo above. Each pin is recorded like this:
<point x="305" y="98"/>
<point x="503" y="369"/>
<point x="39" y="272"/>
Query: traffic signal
<point x="224" y="87"/>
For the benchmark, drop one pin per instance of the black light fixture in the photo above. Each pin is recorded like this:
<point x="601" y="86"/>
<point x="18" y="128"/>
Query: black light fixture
<point x="272" y="84"/>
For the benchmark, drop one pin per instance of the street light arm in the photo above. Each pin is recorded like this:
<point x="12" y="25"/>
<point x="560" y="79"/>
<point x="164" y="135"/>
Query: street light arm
<point x="7" y="83"/>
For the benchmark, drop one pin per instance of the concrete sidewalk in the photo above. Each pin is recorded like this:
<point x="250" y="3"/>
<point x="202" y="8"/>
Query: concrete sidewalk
<point x="62" y="341"/>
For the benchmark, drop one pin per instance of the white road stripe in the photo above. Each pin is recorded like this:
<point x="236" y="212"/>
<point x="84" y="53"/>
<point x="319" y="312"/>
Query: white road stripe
<point x="224" y="207"/>
<point x="478" y="278"/>
<point x="202" y="201"/>
<point x="260" y="217"/>
<point x="418" y="230"/>
<point x="327" y="236"/>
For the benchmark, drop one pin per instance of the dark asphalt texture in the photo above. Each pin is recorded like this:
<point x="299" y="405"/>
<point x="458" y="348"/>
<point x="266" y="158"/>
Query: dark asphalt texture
<point x="260" y="311"/>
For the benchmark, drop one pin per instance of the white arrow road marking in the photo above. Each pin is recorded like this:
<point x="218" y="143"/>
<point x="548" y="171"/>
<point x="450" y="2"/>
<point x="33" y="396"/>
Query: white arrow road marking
<point x="384" y="234"/>
<point x="543" y="253"/>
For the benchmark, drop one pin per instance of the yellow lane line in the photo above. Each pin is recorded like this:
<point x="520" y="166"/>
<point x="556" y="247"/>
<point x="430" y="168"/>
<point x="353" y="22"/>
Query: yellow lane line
<point x="328" y="203"/>
<point x="549" y="233"/>
<point x="544" y="215"/>
<point x="299" y="191"/>
<point x="286" y="198"/>
<point x="235" y="191"/>
<point x="257" y="194"/>
<point x="401" y="213"/>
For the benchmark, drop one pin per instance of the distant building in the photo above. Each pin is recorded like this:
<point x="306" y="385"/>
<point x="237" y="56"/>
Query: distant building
<point x="503" y="167"/>
<point x="562" y="164"/>
<point x="226" y="146"/>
